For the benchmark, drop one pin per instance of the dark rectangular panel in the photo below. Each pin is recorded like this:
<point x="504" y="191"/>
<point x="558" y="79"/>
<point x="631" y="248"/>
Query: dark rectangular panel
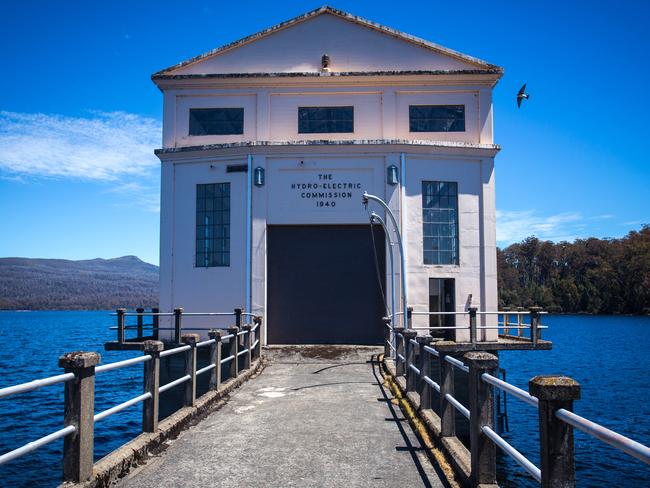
<point x="323" y="286"/>
<point x="216" y="121"/>
<point x="437" y="118"/>
<point x="323" y="120"/>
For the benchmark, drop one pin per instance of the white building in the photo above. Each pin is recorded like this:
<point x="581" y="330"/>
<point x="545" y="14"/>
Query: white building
<point x="268" y="145"/>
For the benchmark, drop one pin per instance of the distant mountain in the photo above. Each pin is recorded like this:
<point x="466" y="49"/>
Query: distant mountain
<point x="60" y="284"/>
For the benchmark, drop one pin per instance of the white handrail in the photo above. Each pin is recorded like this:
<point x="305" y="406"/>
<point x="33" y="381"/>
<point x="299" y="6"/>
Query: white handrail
<point x="35" y="384"/>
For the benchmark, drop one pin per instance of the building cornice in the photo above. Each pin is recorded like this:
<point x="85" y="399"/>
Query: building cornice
<point x="358" y="78"/>
<point x="475" y="149"/>
<point x="327" y="75"/>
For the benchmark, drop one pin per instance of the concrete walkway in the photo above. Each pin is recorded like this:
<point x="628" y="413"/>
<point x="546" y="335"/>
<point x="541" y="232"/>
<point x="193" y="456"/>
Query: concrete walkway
<point x="314" y="417"/>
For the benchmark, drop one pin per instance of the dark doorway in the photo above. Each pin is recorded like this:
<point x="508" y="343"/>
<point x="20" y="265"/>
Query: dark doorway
<point x="442" y="295"/>
<point x="322" y="284"/>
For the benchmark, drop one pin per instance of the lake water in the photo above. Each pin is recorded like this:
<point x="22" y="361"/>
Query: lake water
<point x="607" y="355"/>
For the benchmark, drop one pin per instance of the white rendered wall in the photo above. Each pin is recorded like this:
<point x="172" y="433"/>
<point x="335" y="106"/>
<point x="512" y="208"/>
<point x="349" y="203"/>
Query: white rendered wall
<point x="380" y="112"/>
<point x="183" y="284"/>
<point x="475" y="274"/>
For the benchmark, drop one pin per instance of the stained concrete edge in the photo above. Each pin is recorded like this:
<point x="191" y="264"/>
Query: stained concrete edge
<point x="455" y="453"/>
<point x="118" y="463"/>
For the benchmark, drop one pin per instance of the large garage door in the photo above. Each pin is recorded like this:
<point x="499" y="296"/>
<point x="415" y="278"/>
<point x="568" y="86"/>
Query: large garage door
<point x="322" y="285"/>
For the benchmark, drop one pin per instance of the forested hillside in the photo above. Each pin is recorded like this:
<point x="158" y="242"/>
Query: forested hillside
<point x="60" y="284"/>
<point x="585" y="276"/>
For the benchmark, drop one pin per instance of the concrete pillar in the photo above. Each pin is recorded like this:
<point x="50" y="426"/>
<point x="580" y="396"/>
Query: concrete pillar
<point x="234" y="362"/>
<point x="178" y="327"/>
<point x="140" y="311"/>
<point x="447" y="412"/>
<point x="120" y="325"/>
<point x="556" y="437"/>
<point x="215" y="358"/>
<point x="411" y="376"/>
<point x="424" y="365"/>
<point x="399" y="347"/>
<point x="151" y="385"/>
<point x="79" y="411"/>
<point x="481" y="409"/>
<point x="190" y="368"/>
<point x="248" y="343"/>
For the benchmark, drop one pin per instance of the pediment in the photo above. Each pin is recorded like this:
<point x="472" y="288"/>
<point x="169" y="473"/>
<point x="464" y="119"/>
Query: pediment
<point x="352" y="44"/>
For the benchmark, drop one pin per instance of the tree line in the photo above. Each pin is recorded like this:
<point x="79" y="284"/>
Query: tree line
<point x="596" y="276"/>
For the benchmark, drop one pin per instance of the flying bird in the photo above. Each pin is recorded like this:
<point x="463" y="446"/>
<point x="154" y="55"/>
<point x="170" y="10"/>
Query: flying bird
<point x="521" y="95"/>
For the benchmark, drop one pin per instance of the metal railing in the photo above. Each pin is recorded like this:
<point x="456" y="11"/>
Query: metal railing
<point x="551" y="396"/>
<point x="504" y="326"/>
<point x="81" y="369"/>
<point x="178" y="328"/>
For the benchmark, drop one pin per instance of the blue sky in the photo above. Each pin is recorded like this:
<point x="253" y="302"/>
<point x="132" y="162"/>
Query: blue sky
<point x="79" y="116"/>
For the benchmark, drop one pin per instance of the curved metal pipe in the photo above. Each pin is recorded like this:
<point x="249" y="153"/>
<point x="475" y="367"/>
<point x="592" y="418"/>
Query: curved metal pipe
<point x="366" y="197"/>
<point x="375" y="217"/>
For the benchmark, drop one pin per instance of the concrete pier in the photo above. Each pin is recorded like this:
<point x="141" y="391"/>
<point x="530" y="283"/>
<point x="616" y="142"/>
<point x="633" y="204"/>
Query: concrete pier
<point x="316" y="416"/>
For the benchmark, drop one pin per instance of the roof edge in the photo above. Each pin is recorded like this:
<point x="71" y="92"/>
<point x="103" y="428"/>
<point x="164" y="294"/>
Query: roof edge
<point x="327" y="142"/>
<point x="333" y="74"/>
<point x="338" y="13"/>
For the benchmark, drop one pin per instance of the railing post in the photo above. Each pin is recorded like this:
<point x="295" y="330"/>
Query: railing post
<point x="151" y="385"/>
<point x="520" y="322"/>
<point x="238" y="314"/>
<point x="481" y="413"/>
<point x="234" y="342"/>
<point x="411" y="376"/>
<point x="424" y="365"/>
<point x="556" y="437"/>
<point x="120" y="325"/>
<point x="79" y="411"/>
<point x="215" y="358"/>
<point x="387" y="337"/>
<point x="248" y="343"/>
<point x="190" y="368"/>
<point x="472" y="324"/>
<point x="399" y="350"/>
<point x="156" y="323"/>
<point x="535" y="331"/>
<point x="139" y="311"/>
<point x="257" y="320"/>
<point x="506" y="321"/>
<point x="447" y="412"/>
<point x="178" y="327"/>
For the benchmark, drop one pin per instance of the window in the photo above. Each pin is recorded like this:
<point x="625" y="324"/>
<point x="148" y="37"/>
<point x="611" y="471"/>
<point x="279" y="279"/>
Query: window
<point x="440" y="221"/>
<point x="216" y="121"/>
<point x="213" y="225"/>
<point x="318" y="120"/>
<point x="437" y="118"/>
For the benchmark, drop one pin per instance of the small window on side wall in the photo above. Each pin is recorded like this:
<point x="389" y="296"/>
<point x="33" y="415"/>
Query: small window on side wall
<point x="212" y="225"/>
<point x="437" y="118"/>
<point x="216" y="121"/>
<point x="323" y="120"/>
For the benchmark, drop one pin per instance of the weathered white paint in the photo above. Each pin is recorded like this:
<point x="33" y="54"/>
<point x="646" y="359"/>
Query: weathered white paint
<point x="299" y="48"/>
<point x="270" y="114"/>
